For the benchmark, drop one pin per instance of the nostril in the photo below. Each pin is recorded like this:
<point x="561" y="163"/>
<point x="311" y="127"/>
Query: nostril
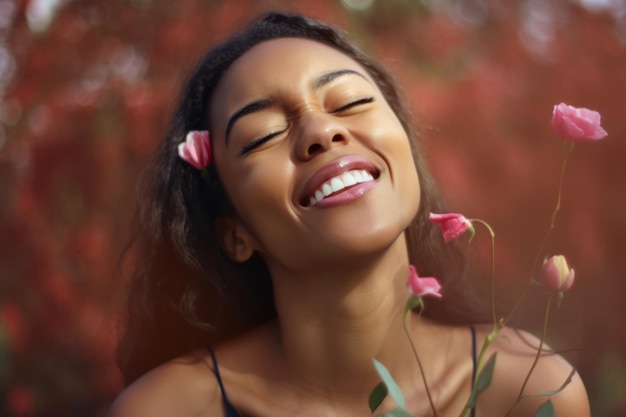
<point x="314" y="148"/>
<point x="337" y="138"/>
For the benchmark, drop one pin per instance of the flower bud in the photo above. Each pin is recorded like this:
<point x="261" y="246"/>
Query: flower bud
<point x="556" y="274"/>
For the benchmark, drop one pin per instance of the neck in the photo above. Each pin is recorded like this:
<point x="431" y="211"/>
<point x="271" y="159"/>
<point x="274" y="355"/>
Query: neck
<point x="333" y="322"/>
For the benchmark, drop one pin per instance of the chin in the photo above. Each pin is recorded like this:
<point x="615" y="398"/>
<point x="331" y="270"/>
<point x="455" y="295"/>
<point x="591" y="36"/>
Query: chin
<point x="367" y="237"/>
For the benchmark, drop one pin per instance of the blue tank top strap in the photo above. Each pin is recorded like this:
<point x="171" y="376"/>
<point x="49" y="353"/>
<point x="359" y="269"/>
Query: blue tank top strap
<point x="230" y="410"/>
<point x="473" y="411"/>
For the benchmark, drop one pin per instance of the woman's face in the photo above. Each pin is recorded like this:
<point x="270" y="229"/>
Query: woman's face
<point x="317" y="165"/>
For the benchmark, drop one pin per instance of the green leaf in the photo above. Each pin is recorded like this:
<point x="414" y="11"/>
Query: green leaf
<point x="377" y="396"/>
<point x="545" y="410"/>
<point x="483" y="380"/>
<point x="396" y="412"/>
<point x="392" y="387"/>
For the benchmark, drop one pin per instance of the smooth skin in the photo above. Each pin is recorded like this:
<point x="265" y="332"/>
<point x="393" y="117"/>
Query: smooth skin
<point x="338" y="271"/>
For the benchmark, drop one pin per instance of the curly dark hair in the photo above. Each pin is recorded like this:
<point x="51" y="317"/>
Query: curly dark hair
<point x="184" y="293"/>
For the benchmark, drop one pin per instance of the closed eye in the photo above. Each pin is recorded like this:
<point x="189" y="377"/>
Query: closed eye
<point x="257" y="142"/>
<point x="354" y="104"/>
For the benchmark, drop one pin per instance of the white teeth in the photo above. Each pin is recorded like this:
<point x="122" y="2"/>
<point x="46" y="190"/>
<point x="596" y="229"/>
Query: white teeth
<point x="338" y="183"/>
<point x="348" y="179"/>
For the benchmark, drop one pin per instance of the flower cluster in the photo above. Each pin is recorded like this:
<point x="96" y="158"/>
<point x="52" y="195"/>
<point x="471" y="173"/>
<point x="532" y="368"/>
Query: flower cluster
<point x="572" y="125"/>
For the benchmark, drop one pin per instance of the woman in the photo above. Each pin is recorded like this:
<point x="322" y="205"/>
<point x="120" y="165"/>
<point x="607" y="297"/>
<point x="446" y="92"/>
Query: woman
<point x="258" y="293"/>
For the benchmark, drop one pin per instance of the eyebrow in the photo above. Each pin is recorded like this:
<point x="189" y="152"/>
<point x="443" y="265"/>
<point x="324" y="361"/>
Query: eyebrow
<point x="332" y="76"/>
<point x="265" y="103"/>
<point x="255" y="106"/>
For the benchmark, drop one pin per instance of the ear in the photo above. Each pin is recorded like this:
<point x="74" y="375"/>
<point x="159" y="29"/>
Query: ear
<point x="234" y="238"/>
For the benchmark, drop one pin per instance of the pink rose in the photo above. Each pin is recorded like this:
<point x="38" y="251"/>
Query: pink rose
<point x="556" y="274"/>
<point x="196" y="149"/>
<point x="422" y="287"/>
<point x="452" y="225"/>
<point x="575" y="124"/>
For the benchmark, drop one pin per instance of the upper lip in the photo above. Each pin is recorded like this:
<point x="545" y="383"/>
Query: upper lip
<point x="334" y="168"/>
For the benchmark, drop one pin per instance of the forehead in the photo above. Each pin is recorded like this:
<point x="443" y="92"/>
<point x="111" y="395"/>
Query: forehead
<point x="286" y="58"/>
<point x="276" y="65"/>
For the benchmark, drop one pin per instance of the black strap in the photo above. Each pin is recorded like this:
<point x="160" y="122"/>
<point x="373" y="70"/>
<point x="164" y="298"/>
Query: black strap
<point x="218" y="377"/>
<point x="473" y="411"/>
<point x="230" y="410"/>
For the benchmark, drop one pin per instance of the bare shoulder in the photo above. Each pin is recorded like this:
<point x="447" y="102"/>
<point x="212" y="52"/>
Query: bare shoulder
<point x="182" y="387"/>
<point x="516" y="351"/>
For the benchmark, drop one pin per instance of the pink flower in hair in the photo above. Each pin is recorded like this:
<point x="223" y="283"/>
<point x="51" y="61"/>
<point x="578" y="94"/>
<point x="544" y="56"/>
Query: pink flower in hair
<point x="196" y="149"/>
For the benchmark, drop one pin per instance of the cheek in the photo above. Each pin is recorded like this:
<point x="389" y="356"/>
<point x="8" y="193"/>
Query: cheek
<point x="261" y="196"/>
<point x="390" y="138"/>
<point x="402" y="167"/>
<point x="263" y="187"/>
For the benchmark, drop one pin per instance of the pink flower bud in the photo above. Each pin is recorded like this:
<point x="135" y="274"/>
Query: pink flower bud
<point x="196" y="149"/>
<point x="452" y="225"/>
<point x="422" y="287"/>
<point x="556" y="274"/>
<point x="576" y="124"/>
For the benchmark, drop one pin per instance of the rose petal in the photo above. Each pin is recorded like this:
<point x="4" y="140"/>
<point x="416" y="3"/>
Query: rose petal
<point x="576" y="124"/>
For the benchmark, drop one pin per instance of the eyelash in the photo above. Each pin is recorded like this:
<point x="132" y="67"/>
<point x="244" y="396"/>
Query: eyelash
<point x="257" y="142"/>
<point x="354" y="103"/>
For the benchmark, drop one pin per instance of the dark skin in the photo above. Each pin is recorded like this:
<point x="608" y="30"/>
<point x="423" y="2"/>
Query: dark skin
<point x="285" y="112"/>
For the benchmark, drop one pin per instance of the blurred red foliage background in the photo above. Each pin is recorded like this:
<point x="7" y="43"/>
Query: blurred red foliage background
<point x="86" y="89"/>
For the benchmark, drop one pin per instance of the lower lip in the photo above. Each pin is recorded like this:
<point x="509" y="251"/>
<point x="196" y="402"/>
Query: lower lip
<point x="346" y="195"/>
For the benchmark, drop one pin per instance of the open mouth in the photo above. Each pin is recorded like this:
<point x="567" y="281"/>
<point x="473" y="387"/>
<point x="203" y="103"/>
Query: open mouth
<point x="339" y="184"/>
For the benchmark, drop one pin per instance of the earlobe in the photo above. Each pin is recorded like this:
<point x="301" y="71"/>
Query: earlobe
<point x="234" y="239"/>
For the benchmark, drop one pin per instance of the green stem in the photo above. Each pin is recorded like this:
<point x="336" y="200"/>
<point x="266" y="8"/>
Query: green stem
<point x="419" y="362"/>
<point x="495" y="330"/>
<point x="497" y="326"/>
<point x="568" y="148"/>
<point x="538" y="355"/>
<point x="493" y="267"/>
<point x="479" y="361"/>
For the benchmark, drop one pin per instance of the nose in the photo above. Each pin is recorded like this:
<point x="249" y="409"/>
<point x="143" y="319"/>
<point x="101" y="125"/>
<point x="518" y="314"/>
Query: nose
<point x="318" y="133"/>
